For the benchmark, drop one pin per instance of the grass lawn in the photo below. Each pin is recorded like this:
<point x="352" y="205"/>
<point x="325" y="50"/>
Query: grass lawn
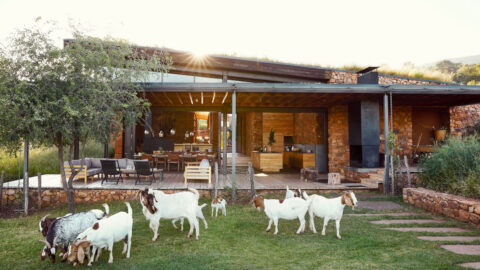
<point x="239" y="241"/>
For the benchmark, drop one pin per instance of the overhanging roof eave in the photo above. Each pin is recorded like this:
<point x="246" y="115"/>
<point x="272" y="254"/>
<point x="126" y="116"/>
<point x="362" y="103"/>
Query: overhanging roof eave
<point x="314" y="88"/>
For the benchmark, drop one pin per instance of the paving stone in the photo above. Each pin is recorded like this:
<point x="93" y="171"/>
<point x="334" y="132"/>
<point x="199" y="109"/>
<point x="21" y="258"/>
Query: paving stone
<point x="463" y="249"/>
<point x="406" y="221"/>
<point x="473" y="265"/>
<point x="399" y="214"/>
<point x="429" y="229"/>
<point x="450" y="238"/>
<point x="379" y="205"/>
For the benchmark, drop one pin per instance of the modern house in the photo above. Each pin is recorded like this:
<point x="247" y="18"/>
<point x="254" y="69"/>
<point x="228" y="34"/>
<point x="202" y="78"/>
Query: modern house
<point x="328" y="118"/>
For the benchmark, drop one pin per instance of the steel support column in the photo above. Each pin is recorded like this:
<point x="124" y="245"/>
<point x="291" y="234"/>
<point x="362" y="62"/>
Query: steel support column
<point x="225" y="142"/>
<point x="386" y="177"/>
<point x="219" y="139"/>
<point x="234" y="141"/>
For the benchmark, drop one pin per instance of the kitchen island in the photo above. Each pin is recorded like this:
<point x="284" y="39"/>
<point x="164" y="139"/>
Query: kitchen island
<point x="298" y="160"/>
<point x="267" y="162"/>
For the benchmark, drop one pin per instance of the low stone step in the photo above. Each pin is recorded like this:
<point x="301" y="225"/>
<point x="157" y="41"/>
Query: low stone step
<point x="399" y="214"/>
<point x="430" y="229"/>
<point x="379" y="205"/>
<point x="370" y="182"/>
<point x="406" y="221"/>
<point x="376" y="176"/>
<point x="472" y="265"/>
<point x="463" y="249"/>
<point x="450" y="238"/>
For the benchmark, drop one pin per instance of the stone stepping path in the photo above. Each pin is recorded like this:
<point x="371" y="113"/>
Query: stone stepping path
<point x="463" y="249"/>
<point x="450" y="238"/>
<point x="429" y="229"/>
<point x="407" y="221"/>
<point x="398" y="214"/>
<point x="472" y="265"/>
<point x="379" y="205"/>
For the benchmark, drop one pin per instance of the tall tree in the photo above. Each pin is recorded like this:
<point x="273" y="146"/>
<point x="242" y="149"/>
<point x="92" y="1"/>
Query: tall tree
<point x="90" y="88"/>
<point x="447" y="66"/>
<point x="468" y="74"/>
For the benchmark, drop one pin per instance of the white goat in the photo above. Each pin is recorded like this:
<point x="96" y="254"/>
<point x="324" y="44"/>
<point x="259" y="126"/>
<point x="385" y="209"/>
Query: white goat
<point x="199" y="216"/>
<point x="289" y="209"/>
<point x="329" y="209"/>
<point x="103" y="234"/>
<point x="219" y="203"/>
<point x="290" y="194"/>
<point x="170" y="206"/>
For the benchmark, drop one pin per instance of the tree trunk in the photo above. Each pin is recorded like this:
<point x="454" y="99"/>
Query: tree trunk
<point x="66" y="187"/>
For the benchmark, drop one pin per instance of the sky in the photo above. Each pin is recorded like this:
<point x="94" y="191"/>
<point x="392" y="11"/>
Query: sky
<point x="325" y="33"/>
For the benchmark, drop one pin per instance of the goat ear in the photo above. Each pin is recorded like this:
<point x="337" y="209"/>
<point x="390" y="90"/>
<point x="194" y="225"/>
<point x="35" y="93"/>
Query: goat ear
<point x="80" y="254"/>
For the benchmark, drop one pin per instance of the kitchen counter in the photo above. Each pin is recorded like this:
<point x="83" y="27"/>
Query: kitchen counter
<point x="298" y="160"/>
<point x="202" y="147"/>
<point x="267" y="162"/>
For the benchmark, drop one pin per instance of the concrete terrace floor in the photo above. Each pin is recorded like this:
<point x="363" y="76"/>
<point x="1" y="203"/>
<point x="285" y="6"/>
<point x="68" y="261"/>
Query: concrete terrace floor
<point x="175" y="180"/>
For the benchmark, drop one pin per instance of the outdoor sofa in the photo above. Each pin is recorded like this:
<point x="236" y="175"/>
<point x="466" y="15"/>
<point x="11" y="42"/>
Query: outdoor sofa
<point x="93" y="166"/>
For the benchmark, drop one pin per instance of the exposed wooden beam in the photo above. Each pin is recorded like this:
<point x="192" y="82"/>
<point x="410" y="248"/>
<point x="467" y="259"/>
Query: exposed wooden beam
<point x="191" y="99"/>
<point x="213" y="98"/>
<point x="166" y="96"/>
<point x="225" y="97"/>
<point x="179" y="99"/>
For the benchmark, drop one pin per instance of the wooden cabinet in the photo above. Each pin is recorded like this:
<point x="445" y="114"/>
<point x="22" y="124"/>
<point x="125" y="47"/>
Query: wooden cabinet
<point x="297" y="160"/>
<point x="267" y="162"/>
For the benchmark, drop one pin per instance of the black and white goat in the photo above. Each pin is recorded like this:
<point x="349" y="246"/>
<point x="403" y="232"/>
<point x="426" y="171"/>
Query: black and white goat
<point x="65" y="229"/>
<point x="158" y="205"/>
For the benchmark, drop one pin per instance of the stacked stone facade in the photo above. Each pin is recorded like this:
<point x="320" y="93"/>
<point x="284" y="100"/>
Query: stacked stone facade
<point x="457" y="207"/>
<point x="462" y="118"/>
<point x="338" y="147"/>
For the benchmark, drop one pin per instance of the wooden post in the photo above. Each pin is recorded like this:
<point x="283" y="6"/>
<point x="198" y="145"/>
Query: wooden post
<point x="216" y="180"/>
<point x="408" y="171"/>
<point x="399" y="170"/>
<point x="251" y="177"/>
<point x="25" y="194"/>
<point x="1" y="188"/>
<point x="39" y="179"/>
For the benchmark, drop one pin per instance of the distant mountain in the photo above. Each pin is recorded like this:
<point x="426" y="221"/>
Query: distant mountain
<point x="468" y="60"/>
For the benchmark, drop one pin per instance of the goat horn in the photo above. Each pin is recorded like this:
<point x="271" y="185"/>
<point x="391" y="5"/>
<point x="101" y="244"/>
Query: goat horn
<point x="46" y="243"/>
<point x="43" y="218"/>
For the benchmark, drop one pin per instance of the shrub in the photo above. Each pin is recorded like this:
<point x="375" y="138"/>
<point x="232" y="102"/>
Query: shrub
<point x="454" y="167"/>
<point x="42" y="159"/>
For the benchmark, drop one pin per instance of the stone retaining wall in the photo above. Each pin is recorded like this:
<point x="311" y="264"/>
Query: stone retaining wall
<point x="457" y="207"/>
<point x="55" y="196"/>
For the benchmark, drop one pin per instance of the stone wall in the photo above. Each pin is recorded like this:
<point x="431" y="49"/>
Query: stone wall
<point x="402" y="127"/>
<point x="338" y="147"/>
<point x="457" y="207"/>
<point x="350" y="77"/>
<point x="462" y="118"/>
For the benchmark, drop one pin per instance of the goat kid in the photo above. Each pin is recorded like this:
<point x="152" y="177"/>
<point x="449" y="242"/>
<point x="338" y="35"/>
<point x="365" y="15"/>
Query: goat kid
<point x="199" y="216"/>
<point x="170" y="206"/>
<point x="290" y="194"/>
<point x="219" y="203"/>
<point x="64" y="230"/>
<point x="103" y="234"/>
<point x="329" y="209"/>
<point x="289" y="209"/>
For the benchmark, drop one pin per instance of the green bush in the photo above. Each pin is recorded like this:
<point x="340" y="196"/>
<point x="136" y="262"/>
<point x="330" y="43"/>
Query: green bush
<point x="454" y="167"/>
<point x="43" y="160"/>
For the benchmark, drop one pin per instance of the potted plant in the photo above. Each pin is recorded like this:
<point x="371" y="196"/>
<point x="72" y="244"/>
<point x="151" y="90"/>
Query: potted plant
<point x="271" y="140"/>
<point x="440" y="133"/>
